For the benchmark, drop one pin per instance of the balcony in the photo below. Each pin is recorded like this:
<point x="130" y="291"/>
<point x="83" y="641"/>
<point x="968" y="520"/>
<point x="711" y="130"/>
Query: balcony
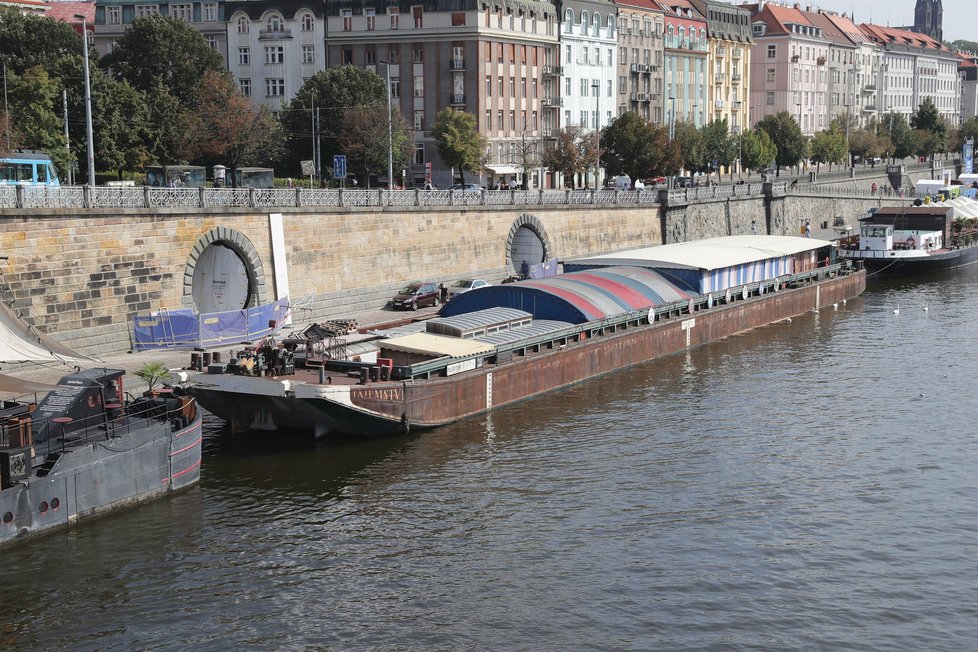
<point x="869" y="88"/>
<point x="547" y="133"/>
<point x="719" y="77"/>
<point x="738" y="52"/>
<point x="721" y="50"/>
<point x="735" y="78"/>
<point x="869" y="108"/>
<point x="634" y="67"/>
<point x="456" y="64"/>
<point x="552" y="101"/>
<point x="553" y="71"/>
<point x="718" y="104"/>
<point x="457" y="100"/>
<point x="270" y="34"/>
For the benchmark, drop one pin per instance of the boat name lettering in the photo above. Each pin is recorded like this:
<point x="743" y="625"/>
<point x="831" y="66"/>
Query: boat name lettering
<point x="392" y="394"/>
<point x="458" y="367"/>
<point x="688" y="324"/>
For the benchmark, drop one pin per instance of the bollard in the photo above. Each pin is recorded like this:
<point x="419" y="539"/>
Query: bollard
<point x="207" y="358"/>
<point x="322" y="375"/>
<point x="216" y="357"/>
<point x="363" y="375"/>
<point x="195" y="361"/>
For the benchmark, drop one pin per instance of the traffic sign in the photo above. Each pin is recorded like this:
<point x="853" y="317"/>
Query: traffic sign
<point x="339" y="166"/>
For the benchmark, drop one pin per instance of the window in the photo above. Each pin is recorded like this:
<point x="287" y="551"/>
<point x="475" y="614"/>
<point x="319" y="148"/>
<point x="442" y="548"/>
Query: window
<point x="371" y="20"/>
<point x="488" y="122"/>
<point x="418" y="14"/>
<point x="458" y="19"/>
<point x="307" y="23"/>
<point x="245" y="86"/>
<point x="568" y="55"/>
<point x="393" y="56"/>
<point x="244" y="26"/>
<point x="512" y="120"/>
<point x="418" y="54"/>
<point x="770" y="99"/>
<point x="772" y="51"/>
<point x="210" y="12"/>
<point x="623" y="55"/>
<point x="275" y="24"/>
<point x="142" y="11"/>
<point x="395" y="87"/>
<point x="567" y="86"/>
<point x="275" y="54"/>
<point x="419" y="154"/>
<point x="499" y="120"/>
<point x="347" y="15"/>
<point x="274" y="87"/>
<point x="512" y="86"/>
<point x="533" y="85"/>
<point x="418" y="119"/>
<point x="211" y="41"/>
<point x="419" y="86"/>
<point x="113" y="15"/>
<point x="488" y="85"/>
<point x="395" y="15"/>
<point x="609" y="88"/>
<point x="583" y="88"/>
<point x="370" y="58"/>
<point x="770" y="74"/>
<point x="500" y="86"/>
<point x="347" y="57"/>
<point x="309" y="54"/>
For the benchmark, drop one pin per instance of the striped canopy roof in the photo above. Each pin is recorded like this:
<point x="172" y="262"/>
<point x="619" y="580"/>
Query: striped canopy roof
<point x="575" y="297"/>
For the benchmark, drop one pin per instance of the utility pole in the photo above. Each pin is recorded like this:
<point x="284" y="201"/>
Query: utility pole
<point x="6" y="107"/>
<point x="64" y="105"/>
<point x="88" y="104"/>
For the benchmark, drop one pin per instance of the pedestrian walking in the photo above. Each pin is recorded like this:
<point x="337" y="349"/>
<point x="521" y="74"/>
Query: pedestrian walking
<point x="753" y="227"/>
<point x="808" y="229"/>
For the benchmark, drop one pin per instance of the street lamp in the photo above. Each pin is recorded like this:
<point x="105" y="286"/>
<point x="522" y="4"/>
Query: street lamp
<point x="390" y="130"/>
<point x="88" y="104"/>
<point x="597" y="131"/>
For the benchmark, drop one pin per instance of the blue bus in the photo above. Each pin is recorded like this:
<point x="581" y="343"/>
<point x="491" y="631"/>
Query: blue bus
<point x="29" y="169"/>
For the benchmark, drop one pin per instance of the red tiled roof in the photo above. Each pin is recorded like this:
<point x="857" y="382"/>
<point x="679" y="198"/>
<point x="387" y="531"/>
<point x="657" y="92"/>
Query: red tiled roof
<point x="66" y="11"/>
<point x="648" y="5"/>
<point x="883" y="35"/>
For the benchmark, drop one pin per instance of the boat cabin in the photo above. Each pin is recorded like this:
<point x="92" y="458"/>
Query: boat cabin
<point x="914" y="228"/>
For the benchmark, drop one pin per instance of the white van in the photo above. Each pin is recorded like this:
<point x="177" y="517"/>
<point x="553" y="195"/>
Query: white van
<point x="625" y="183"/>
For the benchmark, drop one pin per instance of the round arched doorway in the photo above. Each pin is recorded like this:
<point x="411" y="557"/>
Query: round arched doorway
<point x="527" y="242"/>
<point x="220" y="280"/>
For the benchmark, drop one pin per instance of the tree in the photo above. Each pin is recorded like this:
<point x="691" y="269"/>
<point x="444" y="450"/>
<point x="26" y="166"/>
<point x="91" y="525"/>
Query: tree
<point x="901" y="138"/>
<point x="963" y="45"/>
<point x="163" y="50"/>
<point x="968" y="129"/>
<point x="330" y="93"/>
<point x="571" y="153"/>
<point x="163" y="135"/>
<point x="829" y="146"/>
<point x="32" y="98"/>
<point x="224" y="123"/>
<point x="628" y="147"/>
<point x="526" y="154"/>
<point x="786" y="135"/>
<point x="458" y="141"/>
<point x="867" y="143"/>
<point x="757" y="150"/>
<point x="9" y="138"/>
<point x="29" y="40"/>
<point x="928" y="119"/>
<point x="690" y="141"/>
<point x="719" y="146"/>
<point x="364" y="138"/>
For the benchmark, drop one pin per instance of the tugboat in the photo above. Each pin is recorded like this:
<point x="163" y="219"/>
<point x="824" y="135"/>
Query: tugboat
<point x="895" y="241"/>
<point x="87" y="447"/>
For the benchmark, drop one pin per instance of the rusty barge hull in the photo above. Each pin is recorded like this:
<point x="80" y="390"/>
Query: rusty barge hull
<point x="393" y="407"/>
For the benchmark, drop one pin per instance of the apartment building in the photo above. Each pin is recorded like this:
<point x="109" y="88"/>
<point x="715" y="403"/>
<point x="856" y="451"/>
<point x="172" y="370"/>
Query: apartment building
<point x="274" y="47"/>
<point x="914" y="67"/>
<point x="854" y="64"/>
<point x="639" y="82"/>
<point x="789" y="68"/>
<point x="968" y="72"/>
<point x="686" y="89"/>
<point x="728" y="32"/>
<point x="496" y="59"/>
<point x="113" y="18"/>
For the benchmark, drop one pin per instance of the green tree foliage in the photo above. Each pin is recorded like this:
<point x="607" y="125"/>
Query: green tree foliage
<point x="719" y="146"/>
<point x="829" y="146"/>
<point x="633" y="147"/>
<point x="963" y="45"/>
<point x="163" y="50"/>
<point x="787" y="136"/>
<point x="224" y="124"/>
<point x="9" y="137"/>
<point x="571" y="153"/>
<point x="968" y="129"/>
<point x="928" y="143"/>
<point x="692" y="152"/>
<point x="928" y="119"/>
<point x="331" y="92"/>
<point x="459" y="143"/>
<point x="901" y="139"/>
<point x="757" y="150"/>
<point x="32" y="98"/>
<point x="29" y="40"/>
<point x="164" y="135"/>
<point x="867" y="143"/>
<point x="364" y="139"/>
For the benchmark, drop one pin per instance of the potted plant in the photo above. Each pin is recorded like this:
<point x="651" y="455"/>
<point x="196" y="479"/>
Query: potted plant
<point x="153" y="373"/>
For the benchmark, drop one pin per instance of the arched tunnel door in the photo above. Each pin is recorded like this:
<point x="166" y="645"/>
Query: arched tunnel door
<point x="220" y="280"/>
<point x="527" y="246"/>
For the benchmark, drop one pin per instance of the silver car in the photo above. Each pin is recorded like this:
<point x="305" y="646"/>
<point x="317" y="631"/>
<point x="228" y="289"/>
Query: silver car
<point x="464" y="285"/>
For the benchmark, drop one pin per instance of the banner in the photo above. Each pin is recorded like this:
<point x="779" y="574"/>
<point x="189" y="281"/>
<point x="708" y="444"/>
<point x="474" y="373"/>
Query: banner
<point x="186" y="329"/>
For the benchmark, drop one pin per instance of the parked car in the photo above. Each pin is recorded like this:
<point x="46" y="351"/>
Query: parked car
<point x="464" y="285"/>
<point x="416" y="295"/>
<point x="467" y="187"/>
<point x="682" y="182"/>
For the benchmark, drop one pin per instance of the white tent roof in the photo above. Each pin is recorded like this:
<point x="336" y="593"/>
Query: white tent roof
<point x="964" y="207"/>
<point x="712" y="253"/>
<point x="20" y="342"/>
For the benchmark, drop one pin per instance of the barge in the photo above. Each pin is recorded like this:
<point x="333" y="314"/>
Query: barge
<point x="501" y="344"/>
<point x="899" y="241"/>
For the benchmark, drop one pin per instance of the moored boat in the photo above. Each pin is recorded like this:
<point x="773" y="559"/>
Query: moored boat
<point x="895" y="241"/>
<point x="497" y="345"/>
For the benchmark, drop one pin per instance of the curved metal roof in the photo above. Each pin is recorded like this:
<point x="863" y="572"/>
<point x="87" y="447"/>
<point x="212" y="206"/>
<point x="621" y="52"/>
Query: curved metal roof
<point x="575" y="297"/>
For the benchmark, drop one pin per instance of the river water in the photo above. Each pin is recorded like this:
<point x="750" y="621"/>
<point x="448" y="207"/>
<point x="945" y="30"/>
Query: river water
<point x="807" y="485"/>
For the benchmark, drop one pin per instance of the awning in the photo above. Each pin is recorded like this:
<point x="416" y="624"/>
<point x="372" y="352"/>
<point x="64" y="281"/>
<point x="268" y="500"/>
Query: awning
<point x="503" y="169"/>
<point x="438" y="345"/>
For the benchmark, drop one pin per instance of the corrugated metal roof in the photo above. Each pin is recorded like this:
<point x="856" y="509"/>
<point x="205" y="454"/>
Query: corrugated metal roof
<point x="575" y="297"/>
<point x="480" y="318"/>
<point x="437" y="345"/>
<point x="709" y="254"/>
<point x="538" y="328"/>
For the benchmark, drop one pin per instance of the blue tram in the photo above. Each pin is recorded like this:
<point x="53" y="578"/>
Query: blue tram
<point x="29" y="169"/>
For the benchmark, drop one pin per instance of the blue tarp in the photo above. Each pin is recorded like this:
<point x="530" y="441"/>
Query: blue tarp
<point x="185" y="329"/>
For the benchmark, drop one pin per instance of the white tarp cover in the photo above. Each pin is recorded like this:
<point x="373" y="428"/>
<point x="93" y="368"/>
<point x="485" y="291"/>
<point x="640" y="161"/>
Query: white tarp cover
<point x="437" y="345"/>
<point x="711" y="253"/>
<point x="19" y="343"/>
<point x="19" y="386"/>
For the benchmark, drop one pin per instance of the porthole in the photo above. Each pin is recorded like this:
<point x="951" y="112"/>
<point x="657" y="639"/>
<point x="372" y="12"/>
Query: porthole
<point x="8" y="517"/>
<point x="43" y="507"/>
<point x="55" y="503"/>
